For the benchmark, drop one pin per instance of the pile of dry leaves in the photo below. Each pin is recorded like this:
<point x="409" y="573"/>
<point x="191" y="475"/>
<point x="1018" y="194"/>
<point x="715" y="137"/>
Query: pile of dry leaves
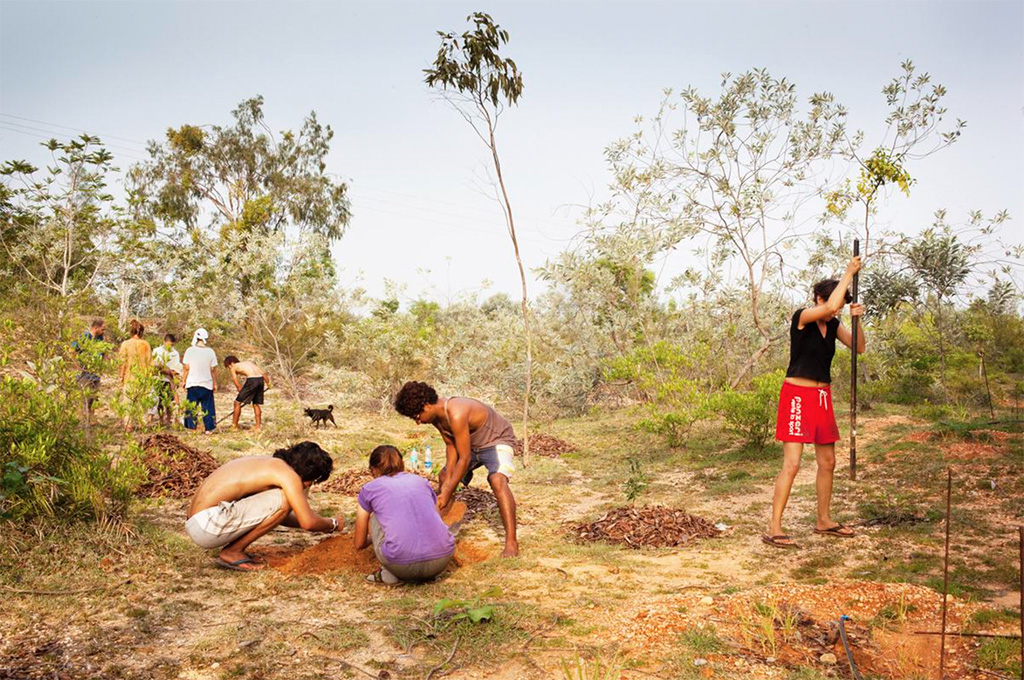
<point x="651" y="526"/>
<point x="175" y="469"/>
<point x="545" y="445"/>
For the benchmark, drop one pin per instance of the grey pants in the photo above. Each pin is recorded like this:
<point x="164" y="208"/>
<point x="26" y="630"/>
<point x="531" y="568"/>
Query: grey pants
<point x="416" y="571"/>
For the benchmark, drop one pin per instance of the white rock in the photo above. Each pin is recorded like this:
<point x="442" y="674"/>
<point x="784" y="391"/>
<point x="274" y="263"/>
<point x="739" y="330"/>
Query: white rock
<point x="828" y="658"/>
<point x="700" y="662"/>
<point x="706" y="600"/>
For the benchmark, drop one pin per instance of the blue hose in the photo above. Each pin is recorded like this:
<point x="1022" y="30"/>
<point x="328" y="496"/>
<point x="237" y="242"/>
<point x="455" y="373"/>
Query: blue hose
<point x="846" y="646"/>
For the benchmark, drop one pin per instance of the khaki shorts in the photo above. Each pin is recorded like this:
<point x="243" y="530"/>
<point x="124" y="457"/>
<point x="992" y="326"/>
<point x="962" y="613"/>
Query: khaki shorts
<point x="229" y="520"/>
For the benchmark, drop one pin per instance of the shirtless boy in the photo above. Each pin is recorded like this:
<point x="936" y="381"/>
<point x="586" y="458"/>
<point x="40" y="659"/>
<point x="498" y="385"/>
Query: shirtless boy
<point x="245" y="498"/>
<point x="251" y="382"/>
<point x="475" y="435"/>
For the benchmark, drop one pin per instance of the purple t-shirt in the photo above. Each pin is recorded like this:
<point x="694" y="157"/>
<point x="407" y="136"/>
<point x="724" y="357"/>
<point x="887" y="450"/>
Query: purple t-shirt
<point x="406" y="508"/>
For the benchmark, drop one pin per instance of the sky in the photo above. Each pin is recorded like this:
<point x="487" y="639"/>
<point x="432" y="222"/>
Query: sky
<point x="421" y="224"/>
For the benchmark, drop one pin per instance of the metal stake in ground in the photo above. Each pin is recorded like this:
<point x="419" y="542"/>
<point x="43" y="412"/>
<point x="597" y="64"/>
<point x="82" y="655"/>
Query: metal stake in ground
<point x="854" y="324"/>
<point x="945" y="576"/>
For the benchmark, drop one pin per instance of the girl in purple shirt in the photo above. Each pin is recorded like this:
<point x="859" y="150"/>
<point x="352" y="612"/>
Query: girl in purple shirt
<point x="398" y="513"/>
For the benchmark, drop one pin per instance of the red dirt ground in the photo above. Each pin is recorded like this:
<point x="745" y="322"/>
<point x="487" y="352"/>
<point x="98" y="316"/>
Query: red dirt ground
<point x="337" y="553"/>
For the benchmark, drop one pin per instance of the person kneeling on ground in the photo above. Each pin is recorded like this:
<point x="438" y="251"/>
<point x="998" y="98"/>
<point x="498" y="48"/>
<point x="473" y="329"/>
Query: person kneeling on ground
<point x="249" y="391"/>
<point x="245" y="498"/>
<point x="397" y="512"/>
<point x="475" y="435"/>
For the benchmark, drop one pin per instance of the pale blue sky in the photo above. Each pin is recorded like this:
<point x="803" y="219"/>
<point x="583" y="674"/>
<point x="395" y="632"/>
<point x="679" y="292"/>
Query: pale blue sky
<point x="130" y="70"/>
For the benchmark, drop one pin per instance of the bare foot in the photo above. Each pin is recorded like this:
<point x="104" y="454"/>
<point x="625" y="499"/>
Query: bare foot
<point x="511" y="550"/>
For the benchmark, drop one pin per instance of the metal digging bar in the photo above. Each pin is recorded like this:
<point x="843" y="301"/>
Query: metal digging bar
<point x="854" y="325"/>
<point x="846" y="645"/>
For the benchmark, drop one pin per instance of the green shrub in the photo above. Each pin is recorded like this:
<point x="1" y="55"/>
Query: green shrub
<point x="751" y="414"/>
<point x="48" y="465"/>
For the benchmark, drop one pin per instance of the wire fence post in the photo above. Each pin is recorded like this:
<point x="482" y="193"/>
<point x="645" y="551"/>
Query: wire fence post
<point x="945" y="575"/>
<point x="854" y="324"/>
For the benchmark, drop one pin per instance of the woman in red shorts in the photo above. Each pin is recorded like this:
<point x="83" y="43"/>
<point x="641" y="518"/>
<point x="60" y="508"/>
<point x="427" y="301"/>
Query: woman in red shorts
<point x="805" y="404"/>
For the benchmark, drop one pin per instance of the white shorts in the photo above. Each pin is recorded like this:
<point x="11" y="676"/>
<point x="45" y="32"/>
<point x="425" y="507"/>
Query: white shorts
<point x="229" y="520"/>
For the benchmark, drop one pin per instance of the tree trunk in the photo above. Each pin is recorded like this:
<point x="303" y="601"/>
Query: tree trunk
<point x="527" y="326"/>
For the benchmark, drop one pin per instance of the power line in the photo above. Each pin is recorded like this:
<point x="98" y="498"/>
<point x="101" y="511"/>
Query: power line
<point x="66" y="138"/>
<point x="50" y="132"/>
<point x="128" y="152"/>
<point x="66" y="127"/>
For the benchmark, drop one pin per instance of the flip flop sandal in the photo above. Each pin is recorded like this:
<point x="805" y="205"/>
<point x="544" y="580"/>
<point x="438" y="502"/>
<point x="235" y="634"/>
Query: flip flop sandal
<point x="835" y="531"/>
<point x="775" y="541"/>
<point x="378" y="577"/>
<point x="237" y="565"/>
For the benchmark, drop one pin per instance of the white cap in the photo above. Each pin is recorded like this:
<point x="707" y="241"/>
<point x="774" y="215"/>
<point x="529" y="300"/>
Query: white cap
<point x="200" y="334"/>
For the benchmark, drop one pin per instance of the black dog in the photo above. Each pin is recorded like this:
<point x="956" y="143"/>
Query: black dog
<point x="321" y="415"/>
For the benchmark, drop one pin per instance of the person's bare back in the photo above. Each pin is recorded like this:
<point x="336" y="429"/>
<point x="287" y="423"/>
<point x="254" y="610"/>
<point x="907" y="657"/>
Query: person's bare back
<point x="239" y="478"/>
<point x="247" y="369"/>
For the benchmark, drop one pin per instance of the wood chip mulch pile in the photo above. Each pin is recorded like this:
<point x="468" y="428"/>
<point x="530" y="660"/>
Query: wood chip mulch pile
<point x="175" y="468"/>
<point x="477" y="500"/>
<point x="348" y="482"/>
<point x="648" y="526"/>
<point x="545" y="445"/>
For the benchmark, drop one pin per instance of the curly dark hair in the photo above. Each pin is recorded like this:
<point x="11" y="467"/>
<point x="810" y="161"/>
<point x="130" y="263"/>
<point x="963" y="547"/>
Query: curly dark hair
<point x="230" y="360"/>
<point x="310" y="462"/>
<point x="823" y="289"/>
<point x="413" y="397"/>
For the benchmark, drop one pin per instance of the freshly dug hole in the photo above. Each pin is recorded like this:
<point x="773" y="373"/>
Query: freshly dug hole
<point x="338" y="554"/>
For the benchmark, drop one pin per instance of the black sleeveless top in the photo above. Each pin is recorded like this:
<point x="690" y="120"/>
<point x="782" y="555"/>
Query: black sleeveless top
<point x="810" y="354"/>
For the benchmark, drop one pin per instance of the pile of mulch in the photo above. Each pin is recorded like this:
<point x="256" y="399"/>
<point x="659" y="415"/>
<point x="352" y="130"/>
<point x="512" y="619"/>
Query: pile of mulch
<point x="649" y="526"/>
<point x="477" y="501"/>
<point x="175" y="469"/>
<point x="545" y="445"/>
<point x="348" y="482"/>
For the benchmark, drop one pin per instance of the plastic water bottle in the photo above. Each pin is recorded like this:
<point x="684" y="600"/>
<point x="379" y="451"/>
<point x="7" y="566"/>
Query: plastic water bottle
<point x="428" y="460"/>
<point x="414" y="460"/>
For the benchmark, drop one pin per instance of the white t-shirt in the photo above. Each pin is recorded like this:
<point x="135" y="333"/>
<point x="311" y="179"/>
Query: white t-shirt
<point x="167" y="358"/>
<point x="200" y="362"/>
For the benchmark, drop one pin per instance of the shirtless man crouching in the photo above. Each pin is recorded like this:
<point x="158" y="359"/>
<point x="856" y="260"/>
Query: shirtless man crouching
<point x="245" y="498"/>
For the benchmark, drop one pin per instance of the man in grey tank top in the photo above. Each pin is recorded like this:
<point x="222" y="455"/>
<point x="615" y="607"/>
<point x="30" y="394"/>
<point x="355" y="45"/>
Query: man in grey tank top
<point x="475" y="436"/>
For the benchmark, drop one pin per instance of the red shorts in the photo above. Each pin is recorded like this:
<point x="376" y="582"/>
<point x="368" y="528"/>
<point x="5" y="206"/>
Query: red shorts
<point x="806" y="415"/>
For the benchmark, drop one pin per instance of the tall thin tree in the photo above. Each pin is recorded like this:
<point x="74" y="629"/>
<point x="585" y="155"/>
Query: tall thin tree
<point x="479" y="83"/>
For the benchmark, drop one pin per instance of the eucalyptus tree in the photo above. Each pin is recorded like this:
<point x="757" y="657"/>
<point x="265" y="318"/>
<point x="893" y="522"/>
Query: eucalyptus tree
<point x="205" y="179"/>
<point x="472" y="75"/>
<point x="733" y="177"/>
<point x="58" y="227"/>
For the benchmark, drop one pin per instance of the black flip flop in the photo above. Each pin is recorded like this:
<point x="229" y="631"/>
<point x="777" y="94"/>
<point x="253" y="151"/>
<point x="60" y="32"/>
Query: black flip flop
<point x="237" y="565"/>
<point x="774" y="541"/>
<point x="835" y="531"/>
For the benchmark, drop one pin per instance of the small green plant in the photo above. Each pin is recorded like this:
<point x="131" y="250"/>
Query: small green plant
<point x="578" y="668"/>
<point x="1001" y="655"/>
<point x="751" y="414"/>
<point x="636" y="481"/>
<point x="893" y="614"/>
<point x="702" y="640"/>
<point x="456" y="611"/>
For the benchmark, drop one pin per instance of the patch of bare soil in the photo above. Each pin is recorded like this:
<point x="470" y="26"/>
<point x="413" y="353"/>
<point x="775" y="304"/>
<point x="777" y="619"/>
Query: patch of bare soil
<point x="338" y="554"/>
<point x="651" y="526"/>
<point x="175" y="469"/>
<point x="797" y="624"/>
<point x="545" y="445"/>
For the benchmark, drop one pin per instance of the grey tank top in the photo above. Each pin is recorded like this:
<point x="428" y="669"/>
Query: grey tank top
<point x="495" y="430"/>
